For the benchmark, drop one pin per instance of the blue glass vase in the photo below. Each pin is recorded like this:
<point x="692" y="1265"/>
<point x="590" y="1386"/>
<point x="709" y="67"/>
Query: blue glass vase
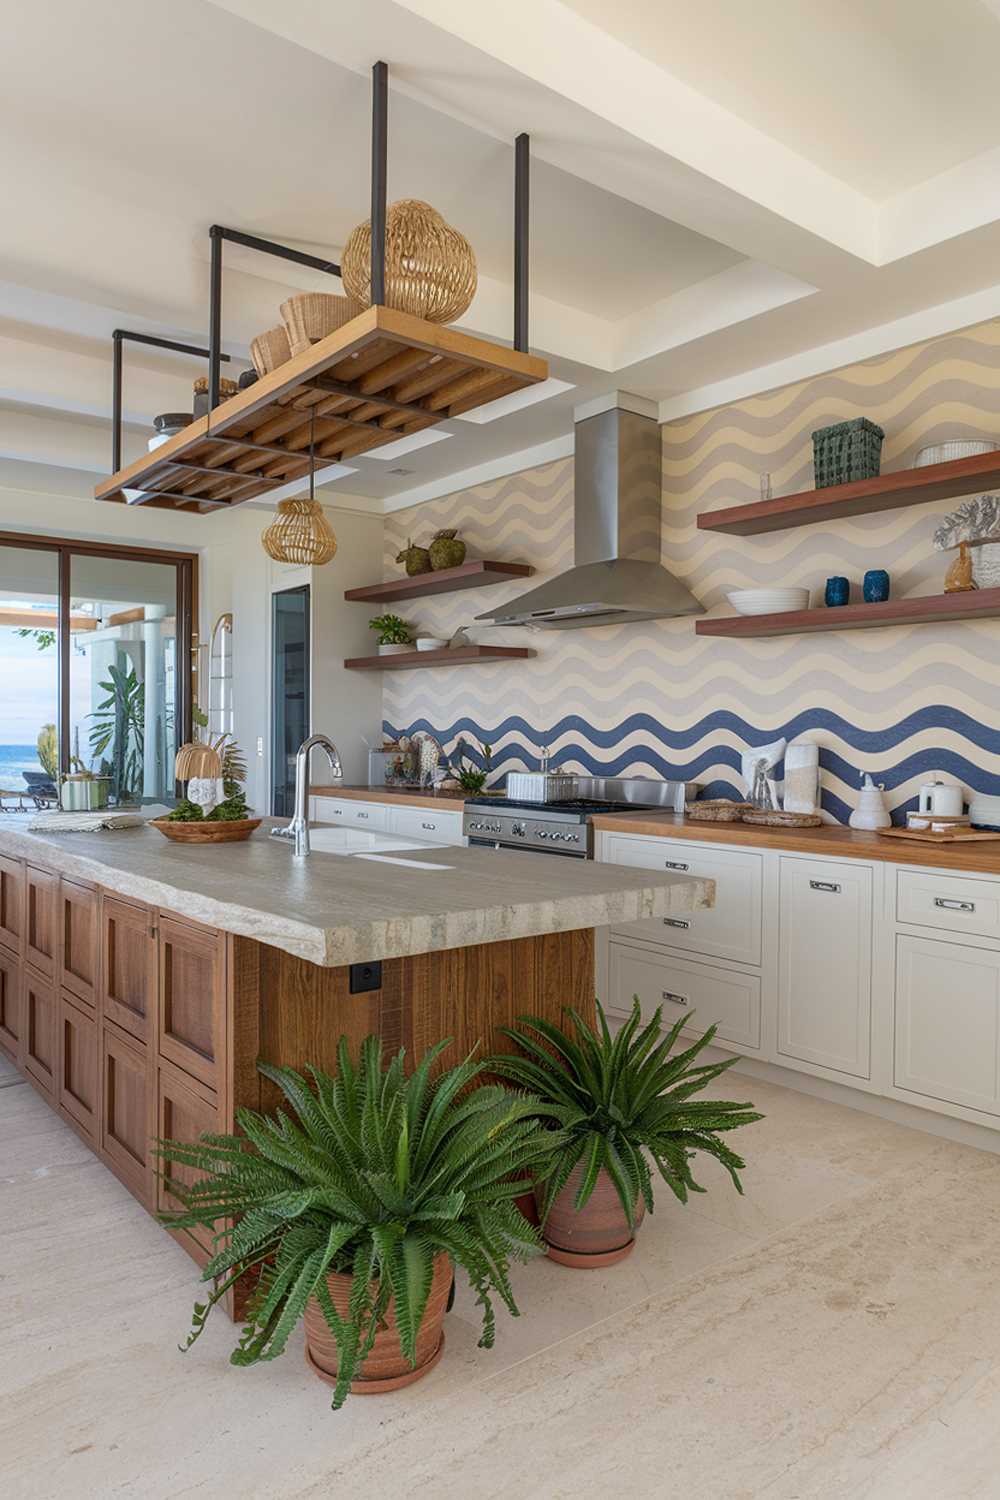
<point x="838" y="591"/>
<point x="876" y="586"/>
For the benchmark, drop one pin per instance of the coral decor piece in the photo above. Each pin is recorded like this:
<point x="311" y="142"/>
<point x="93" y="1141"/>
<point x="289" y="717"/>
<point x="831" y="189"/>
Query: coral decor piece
<point x="430" y="269"/>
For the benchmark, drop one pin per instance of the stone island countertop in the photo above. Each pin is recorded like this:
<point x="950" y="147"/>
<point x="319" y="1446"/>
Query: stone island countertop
<point x="334" y="909"/>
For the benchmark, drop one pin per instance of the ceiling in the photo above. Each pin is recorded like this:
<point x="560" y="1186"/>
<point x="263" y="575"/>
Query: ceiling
<point x="719" y="192"/>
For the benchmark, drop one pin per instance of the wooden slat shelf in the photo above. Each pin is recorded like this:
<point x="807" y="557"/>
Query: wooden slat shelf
<point x="978" y="604"/>
<point x="450" y="656"/>
<point x="469" y="575"/>
<point x="381" y="377"/>
<point x="962" y="476"/>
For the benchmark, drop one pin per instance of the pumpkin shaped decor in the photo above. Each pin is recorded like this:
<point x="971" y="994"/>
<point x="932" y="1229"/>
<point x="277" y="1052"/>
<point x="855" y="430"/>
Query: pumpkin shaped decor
<point x="446" y="551"/>
<point x="415" y="559"/>
<point x="430" y="269"/>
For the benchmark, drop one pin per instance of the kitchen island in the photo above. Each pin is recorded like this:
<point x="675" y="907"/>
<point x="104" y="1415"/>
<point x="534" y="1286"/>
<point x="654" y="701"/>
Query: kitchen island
<point x="141" y="980"/>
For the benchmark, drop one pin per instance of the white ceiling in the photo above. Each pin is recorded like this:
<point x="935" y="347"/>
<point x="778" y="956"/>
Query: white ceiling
<point x="720" y="191"/>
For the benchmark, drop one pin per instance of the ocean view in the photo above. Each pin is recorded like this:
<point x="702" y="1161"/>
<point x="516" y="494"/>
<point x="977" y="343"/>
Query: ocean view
<point x="13" y="760"/>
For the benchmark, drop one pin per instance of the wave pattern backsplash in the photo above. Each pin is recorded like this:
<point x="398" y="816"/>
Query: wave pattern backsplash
<point x="899" y="702"/>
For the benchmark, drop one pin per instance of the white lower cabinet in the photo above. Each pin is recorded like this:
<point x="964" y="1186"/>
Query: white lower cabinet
<point x="349" y="813"/>
<point x="947" y="1022"/>
<point x="825" y="965"/>
<point x="726" y="998"/>
<point x="423" y="823"/>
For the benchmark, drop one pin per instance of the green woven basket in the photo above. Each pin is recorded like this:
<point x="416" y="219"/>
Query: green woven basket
<point x="847" y="451"/>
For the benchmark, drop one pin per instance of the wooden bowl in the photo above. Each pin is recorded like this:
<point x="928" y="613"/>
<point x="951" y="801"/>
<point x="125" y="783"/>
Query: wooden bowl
<point x="208" y="831"/>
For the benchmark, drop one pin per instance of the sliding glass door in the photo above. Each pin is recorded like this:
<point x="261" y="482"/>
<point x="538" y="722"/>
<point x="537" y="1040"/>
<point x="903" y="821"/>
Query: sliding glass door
<point x="95" y="661"/>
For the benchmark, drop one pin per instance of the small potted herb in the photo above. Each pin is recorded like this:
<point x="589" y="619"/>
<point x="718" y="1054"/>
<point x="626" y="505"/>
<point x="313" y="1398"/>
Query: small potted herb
<point x="622" y="1100"/>
<point x="470" y="775"/>
<point x="393" y="634"/>
<point x="354" y="1209"/>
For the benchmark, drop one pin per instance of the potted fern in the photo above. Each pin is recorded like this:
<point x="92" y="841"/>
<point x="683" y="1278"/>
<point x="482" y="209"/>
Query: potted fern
<point x="619" y="1099"/>
<point x="354" y="1208"/>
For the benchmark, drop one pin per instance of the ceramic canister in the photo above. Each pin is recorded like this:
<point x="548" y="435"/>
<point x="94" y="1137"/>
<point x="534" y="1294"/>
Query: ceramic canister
<point x="838" y="591"/>
<point x="876" y="586"/>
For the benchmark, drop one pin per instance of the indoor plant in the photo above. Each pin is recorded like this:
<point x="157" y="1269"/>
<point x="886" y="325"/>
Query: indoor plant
<point x="393" y="633"/>
<point x="355" y="1208"/>
<point x="197" y="819"/>
<point x="470" y="776"/>
<point x="619" y="1098"/>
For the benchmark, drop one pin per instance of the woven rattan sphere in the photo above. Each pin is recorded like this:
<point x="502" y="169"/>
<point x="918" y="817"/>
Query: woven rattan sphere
<point x="430" y="269"/>
<point x="300" y="533"/>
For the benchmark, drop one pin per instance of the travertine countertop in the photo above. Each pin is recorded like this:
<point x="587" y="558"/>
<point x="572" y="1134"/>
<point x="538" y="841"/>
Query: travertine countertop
<point x="333" y="910"/>
<point x="979" y="856"/>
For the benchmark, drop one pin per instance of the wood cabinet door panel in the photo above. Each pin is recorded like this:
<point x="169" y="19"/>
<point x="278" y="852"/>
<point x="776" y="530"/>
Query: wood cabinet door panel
<point x="78" y="940"/>
<point x="79" y="1066"/>
<point x="41" y="889"/>
<point x="126" y="1118"/>
<point x="128" y="966"/>
<point x="11" y="1005"/>
<point x="191" y="1016"/>
<point x="184" y="1111"/>
<point x="41" y="1032"/>
<point x="11" y="903"/>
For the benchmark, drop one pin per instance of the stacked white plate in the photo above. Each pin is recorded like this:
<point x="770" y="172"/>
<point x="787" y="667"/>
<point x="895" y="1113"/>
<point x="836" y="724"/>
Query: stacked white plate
<point x="768" y="601"/>
<point x="984" y="811"/>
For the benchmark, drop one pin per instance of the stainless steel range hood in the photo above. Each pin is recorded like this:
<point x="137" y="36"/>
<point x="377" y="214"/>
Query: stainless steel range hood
<point x="617" y="574"/>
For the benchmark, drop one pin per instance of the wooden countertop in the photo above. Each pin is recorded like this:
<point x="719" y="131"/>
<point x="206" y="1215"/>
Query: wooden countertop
<point x="399" y="796"/>
<point x="831" y="840"/>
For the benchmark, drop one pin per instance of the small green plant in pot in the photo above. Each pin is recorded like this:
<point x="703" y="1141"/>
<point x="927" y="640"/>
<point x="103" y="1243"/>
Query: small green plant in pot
<point x="471" y="776"/>
<point x="621" y="1099"/>
<point x="355" y="1207"/>
<point x="393" y="633"/>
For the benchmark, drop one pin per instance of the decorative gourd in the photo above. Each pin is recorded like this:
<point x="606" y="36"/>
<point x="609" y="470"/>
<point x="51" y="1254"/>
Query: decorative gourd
<point x="446" y="551"/>
<point x="416" y="559"/>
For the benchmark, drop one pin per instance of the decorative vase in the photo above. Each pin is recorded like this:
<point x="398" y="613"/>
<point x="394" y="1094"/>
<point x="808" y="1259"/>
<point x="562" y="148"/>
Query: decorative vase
<point x="446" y="551"/>
<point x="416" y="560"/>
<point x="593" y="1236"/>
<point x="386" y="1368"/>
<point x="838" y="592"/>
<point x="876" y="586"/>
<point x="871" y="811"/>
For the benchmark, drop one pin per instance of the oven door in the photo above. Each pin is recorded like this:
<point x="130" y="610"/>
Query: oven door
<point x="528" y="849"/>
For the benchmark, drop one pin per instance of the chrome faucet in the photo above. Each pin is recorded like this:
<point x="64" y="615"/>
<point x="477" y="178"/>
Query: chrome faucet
<point x="298" y="829"/>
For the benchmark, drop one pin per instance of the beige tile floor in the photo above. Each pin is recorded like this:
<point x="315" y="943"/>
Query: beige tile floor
<point x="834" y="1334"/>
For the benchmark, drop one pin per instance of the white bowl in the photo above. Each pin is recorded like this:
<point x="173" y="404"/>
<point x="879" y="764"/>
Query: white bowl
<point x="768" y="601"/>
<point x="430" y="643"/>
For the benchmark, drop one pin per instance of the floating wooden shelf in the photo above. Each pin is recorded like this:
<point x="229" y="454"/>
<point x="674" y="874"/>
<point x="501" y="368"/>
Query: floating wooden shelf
<point x="470" y="575"/>
<point x="381" y="377"/>
<point x="978" y="604"/>
<point x="962" y="476"/>
<point x="451" y="656"/>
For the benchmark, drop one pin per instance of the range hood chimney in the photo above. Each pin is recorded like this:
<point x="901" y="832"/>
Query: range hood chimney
<point x="617" y="574"/>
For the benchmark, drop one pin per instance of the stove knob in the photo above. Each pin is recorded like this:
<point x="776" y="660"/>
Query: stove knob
<point x="541" y="833"/>
<point x="557" y="836"/>
<point x="519" y="829"/>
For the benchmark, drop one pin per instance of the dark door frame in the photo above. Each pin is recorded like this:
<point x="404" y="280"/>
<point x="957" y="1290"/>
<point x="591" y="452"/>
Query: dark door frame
<point x="186" y="564"/>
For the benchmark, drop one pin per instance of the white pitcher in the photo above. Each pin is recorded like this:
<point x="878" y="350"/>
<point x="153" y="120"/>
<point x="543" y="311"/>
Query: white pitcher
<point x="871" y="811"/>
<point x="942" y="798"/>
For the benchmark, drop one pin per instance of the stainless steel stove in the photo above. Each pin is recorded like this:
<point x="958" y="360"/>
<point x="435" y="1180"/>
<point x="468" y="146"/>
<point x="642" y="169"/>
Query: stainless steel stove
<point x="564" y="827"/>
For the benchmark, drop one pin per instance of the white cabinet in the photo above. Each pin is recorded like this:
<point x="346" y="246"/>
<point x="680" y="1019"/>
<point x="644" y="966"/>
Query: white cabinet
<point x="726" y="998"/>
<point x="947" y="1022"/>
<point x="953" y="903"/>
<point x="426" y="824"/>
<point x="731" y="929"/>
<point x="825" y="965"/>
<point x="350" y="813"/>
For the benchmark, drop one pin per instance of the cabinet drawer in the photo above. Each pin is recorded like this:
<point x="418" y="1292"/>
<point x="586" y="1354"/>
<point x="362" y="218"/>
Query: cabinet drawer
<point x="127" y="1121"/>
<point x="128" y="966"/>
<point x="421" y="823"/>
<point x="11" y="903"/>
<point x="351" y="814"/>
<point x="722" y="997"/>
<point x="947" y="1022"/>
<point x="953" y="903"/>
<point x="825" y="965"/>
<point x="40" y="1043"/>
<point x="730" y="929"/>
<point x="79" y="1067"/>
<point x="11" y="1005"/>
<point x="41" y="890"/>
<point x="78" y="939"/>
<point x="192" y="994"/>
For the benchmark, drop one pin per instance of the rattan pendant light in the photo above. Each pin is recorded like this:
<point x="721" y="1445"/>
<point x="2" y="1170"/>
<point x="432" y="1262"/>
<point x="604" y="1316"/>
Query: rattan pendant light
<point x="300" y="532"/>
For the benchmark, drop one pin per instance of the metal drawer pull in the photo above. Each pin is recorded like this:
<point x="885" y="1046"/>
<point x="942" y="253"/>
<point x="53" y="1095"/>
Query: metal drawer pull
<point x="677" y="999"/>
<point x="675" y="922"/>
<point x="825" y="885"/>
<point x="947" y="905"/>
<point x="673" y="864"/>
<point x="362" y="815"/>
<point x="429" y="826"/>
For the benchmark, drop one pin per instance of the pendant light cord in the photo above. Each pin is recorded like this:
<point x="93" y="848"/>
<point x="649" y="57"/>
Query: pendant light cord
<point x="312" y="454"/>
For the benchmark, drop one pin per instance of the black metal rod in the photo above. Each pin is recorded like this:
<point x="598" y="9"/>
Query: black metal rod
<point x="214" y="319"/>
<point x="380" y="150"/>
<point x="271" y="247"/>
<point x="522" y="216"/>
<point x="116" y="401"/>
<point x="160" y="343"/>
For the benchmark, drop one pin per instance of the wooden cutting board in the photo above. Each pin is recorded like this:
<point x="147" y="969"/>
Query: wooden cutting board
<point x="947" y="836"/>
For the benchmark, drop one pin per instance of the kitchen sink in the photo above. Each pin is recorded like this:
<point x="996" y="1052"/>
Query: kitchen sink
<point x="358" y="841"/>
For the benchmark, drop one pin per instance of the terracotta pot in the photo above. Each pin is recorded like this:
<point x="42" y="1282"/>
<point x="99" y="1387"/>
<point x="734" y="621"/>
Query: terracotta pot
<point x="386" y="1368"/>
<point x="595" y="1235"/>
